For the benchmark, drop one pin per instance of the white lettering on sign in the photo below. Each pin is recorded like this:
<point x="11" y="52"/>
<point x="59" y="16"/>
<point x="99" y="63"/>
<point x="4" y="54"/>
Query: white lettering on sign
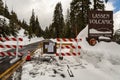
<point x="100" y="21"/>
<point x="104" y="16"/>
<point x="101" y="18"/>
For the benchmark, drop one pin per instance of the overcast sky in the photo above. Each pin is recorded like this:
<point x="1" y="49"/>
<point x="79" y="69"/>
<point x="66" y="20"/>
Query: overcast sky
<point x="43" y="8"/>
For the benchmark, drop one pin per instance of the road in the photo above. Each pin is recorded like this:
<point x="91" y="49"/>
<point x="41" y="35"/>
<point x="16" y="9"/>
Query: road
<point x="5" y="62"/>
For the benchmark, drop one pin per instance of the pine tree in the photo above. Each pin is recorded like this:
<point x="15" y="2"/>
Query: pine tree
<point x="85" y="10"/>
<point x="1" y="8"/>
<point x="99" y="5"/>
<point x="13" y="17"/>
<point x="78" y="15"/>
<point x="58" y="20"/>
<point x="25" y="26"/>
<point x="34" y="28"/>
<point x="38" y="30"/>
<point x="32" y="25"/>
<point x="67" y="30"/>
<point x="52" y="31"/>
<point x="13" y="28"/>
<point x="75" y="16"/>
<point x="46" y="33"/>
<point x="106" y="1"/>
<point x="6" y="12"/>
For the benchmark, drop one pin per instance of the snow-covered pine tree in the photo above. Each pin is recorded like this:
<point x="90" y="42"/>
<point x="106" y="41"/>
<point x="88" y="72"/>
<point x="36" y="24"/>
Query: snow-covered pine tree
<point x="4" y="28"/>
<point x="14" y="26"/>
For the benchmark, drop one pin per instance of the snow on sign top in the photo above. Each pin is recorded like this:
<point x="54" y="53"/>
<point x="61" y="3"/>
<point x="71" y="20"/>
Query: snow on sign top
<point x="95" y="31"/>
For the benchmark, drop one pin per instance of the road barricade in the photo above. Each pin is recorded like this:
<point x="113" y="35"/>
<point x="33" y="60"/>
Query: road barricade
<point x="62" y="41"/>
<point x="17" y="46"/>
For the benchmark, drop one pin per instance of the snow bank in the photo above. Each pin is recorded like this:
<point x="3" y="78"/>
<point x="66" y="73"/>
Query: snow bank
<point x="99" y="62"/>
<point x="104" y="55"/>
<point x="84" y="33"/>
<point x="26" y="40"/>
<point x="116" y="18"/>
<point x="107" y="50"/>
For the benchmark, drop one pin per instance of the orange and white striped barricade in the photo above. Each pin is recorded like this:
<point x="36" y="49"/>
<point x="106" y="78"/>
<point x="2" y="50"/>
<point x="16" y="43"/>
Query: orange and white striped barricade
<point x="61" y="40"/>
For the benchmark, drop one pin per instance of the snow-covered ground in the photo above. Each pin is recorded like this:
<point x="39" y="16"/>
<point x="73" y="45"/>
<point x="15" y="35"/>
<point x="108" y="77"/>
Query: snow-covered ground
<point x="99" y="62"/>
<point x="58" y="70"/>
<point x="104" y="56"/>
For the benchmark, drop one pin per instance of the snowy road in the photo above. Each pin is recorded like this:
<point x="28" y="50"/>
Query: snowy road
<point x="5" y="62"/>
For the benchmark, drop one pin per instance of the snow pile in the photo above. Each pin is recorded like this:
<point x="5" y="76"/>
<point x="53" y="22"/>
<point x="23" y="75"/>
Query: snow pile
<point x="26" y="40"/>
<point x="116" y="18"/>
<point x="99" y="62"/>
<point x="104" y="56"/>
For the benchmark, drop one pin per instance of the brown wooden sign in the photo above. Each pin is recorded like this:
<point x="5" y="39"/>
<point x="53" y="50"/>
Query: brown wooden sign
<point x="101" y="19"/>
<point x="100" y="23"/>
